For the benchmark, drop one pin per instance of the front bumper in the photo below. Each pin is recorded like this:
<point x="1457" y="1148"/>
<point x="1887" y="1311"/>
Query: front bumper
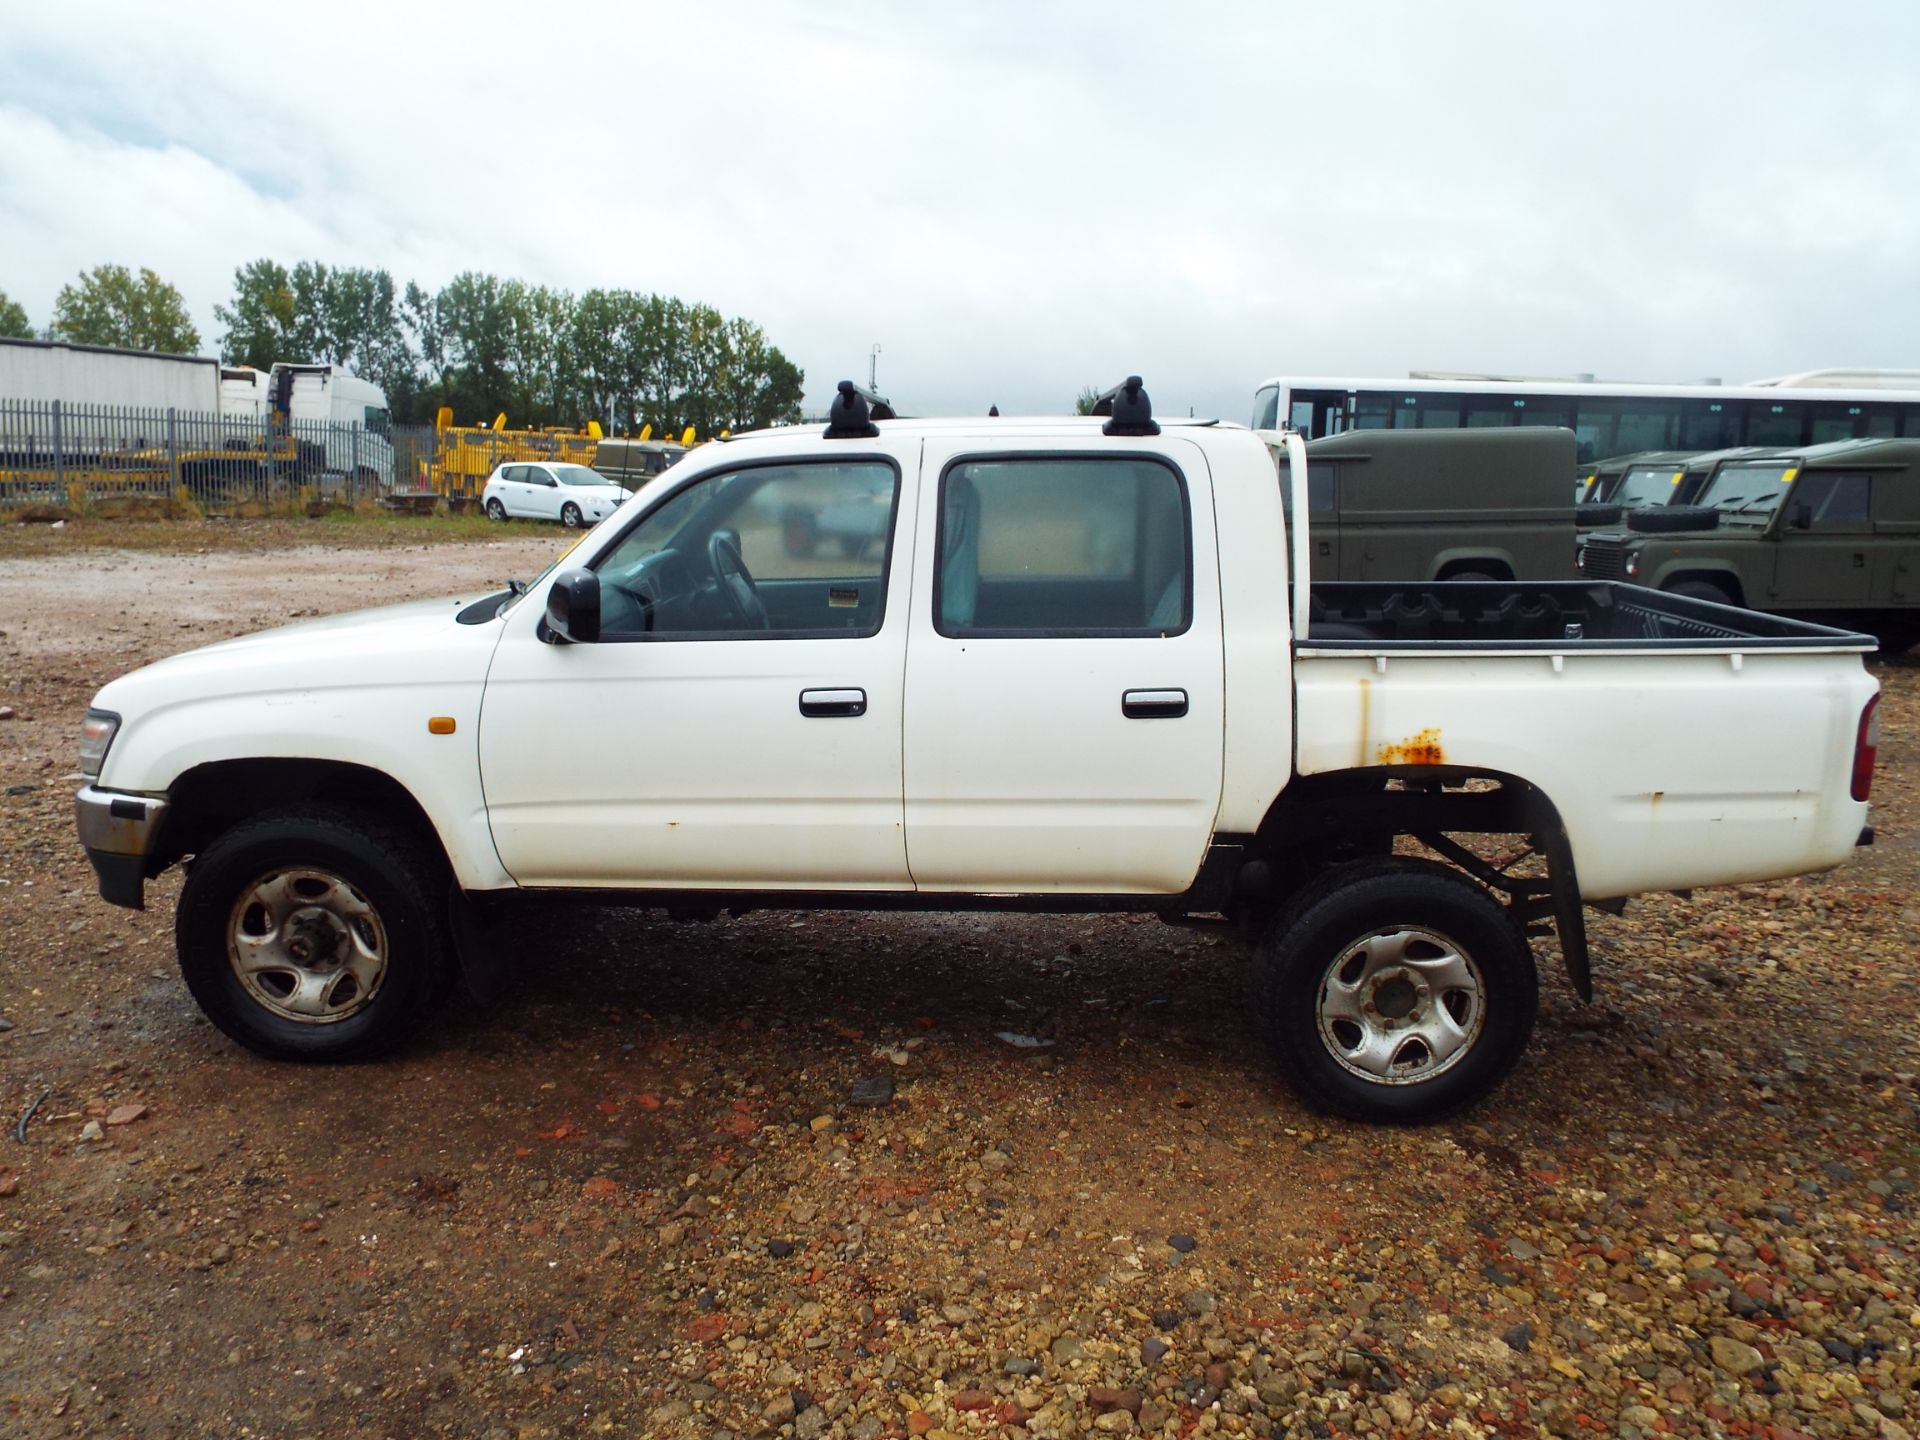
<point x="118" y="832"/>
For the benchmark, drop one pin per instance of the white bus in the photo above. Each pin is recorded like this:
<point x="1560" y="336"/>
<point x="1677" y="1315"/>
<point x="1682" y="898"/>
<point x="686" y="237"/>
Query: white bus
<point x="1608" y="419"/>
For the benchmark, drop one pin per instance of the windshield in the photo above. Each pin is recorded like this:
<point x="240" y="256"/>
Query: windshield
<point x="578" y="475"/>
<point x="1647" y="485"/>
<point x="1748" y="488"/>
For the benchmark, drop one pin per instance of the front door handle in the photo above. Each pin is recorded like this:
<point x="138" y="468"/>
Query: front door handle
<point x="1153" y="704"/>
<point x="832" y="704"/>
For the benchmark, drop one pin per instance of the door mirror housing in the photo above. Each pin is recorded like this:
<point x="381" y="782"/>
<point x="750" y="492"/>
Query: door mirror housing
<point x="1802" y="518"/>
<point x="573" y="607"/>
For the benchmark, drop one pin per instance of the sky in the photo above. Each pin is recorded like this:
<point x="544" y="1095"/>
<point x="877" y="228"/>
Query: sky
<point x="1016" y="200"/>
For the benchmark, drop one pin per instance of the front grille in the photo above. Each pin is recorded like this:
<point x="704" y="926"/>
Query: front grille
<point x="1606" y="559"/>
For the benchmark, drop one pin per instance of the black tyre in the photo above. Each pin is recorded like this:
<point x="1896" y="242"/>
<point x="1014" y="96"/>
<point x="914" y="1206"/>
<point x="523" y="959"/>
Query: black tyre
<point x="1476" y="577"/>
<point x="1895" y="638"/>
<point x="1395" y="990"/>
<point x="570" y="516"/>
<point x="1700" y="590"/>
<point x="1673" y="519"/>
<point x="496" y="511"/>
<point x="1592" y="514"/>
<point x="314" y="933"/>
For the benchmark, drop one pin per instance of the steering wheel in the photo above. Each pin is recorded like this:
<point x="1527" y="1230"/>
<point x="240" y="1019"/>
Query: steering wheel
<point x="735" y="582"/>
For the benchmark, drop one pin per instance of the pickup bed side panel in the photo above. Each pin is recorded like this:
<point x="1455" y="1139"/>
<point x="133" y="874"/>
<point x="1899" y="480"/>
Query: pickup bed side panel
<point x="1669" y="770"/>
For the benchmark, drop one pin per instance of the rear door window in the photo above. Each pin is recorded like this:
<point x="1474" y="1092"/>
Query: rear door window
<point x="1063" y="545"/>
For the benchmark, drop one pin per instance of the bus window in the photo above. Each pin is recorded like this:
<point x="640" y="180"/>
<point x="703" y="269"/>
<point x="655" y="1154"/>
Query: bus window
<point x="1774" y="424"/>
<point x="1266" y="409"/>
<point x="1910" y="424"/>
<point x="1882" y="422"/>
<point x="1496" y="410"/>
<point x="1708" y="425"/>
<point x="1544" y="411"/>
<point x="1300" y="417"/>
<point x="1593" y="431"/>
<point x="1646" y="425"/>
<point x="1372" y="412"/>
<point x="1835" y="422"/>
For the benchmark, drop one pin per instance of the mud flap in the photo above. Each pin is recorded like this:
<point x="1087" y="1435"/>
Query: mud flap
<point x="1569" y="922"/>
<point x="483" y="966"/>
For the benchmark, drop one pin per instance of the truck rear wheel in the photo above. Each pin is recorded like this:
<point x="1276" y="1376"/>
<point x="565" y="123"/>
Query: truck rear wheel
<point x="1701" y="590"/>
<point x="313" y="933"/>
<point x="1395" y="990"/>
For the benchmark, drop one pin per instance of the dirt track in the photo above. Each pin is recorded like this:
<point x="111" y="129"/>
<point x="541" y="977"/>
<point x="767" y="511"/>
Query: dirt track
<point x="635" y="1197"/>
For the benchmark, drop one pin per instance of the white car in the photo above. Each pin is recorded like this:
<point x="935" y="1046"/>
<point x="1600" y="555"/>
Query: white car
<point x="571" y="494"/>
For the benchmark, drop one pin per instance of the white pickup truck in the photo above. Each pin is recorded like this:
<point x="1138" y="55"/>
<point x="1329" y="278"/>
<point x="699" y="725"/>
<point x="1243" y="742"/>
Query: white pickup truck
<point x="1084" y="669"/>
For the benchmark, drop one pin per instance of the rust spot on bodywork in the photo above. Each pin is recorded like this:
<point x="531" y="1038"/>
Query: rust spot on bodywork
<point x="1366" y="719"/>
<point x="1421" y="749"/>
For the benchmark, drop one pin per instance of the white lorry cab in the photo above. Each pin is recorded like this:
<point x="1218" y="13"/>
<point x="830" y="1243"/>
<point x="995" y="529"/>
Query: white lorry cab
<point x="1082" y="666"/>
<point x="344" y="417"/>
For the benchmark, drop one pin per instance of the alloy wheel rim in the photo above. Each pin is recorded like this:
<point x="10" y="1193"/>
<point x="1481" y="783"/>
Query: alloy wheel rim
<point x="307" y="946"/>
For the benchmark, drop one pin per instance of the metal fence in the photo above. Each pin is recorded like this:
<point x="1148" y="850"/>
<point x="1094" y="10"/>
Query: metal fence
<point x="79" y="457"/>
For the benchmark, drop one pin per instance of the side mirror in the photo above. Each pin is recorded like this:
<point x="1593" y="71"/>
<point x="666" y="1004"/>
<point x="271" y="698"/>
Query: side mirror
<point x="1803" y="516"/>
<point x="573" y="607"/>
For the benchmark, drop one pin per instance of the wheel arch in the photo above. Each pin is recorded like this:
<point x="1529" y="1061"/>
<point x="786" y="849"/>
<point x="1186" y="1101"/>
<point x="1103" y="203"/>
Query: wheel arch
<point x="1495" y="562"/>
<point x="1365" y="808"/>
<point x="213" y="797"/>
<point x="1726" y="577"/>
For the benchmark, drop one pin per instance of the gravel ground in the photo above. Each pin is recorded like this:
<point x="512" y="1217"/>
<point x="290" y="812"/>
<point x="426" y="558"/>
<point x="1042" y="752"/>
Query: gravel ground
<point x="778" y="1175"/>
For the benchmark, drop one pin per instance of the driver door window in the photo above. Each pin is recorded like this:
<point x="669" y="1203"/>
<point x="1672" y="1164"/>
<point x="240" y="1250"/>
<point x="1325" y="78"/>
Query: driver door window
<point x="767" y="552"/>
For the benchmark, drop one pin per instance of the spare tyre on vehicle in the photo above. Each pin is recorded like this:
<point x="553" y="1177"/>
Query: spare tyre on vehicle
<point x="1672" y="519"/>
<point x="1593" y="513"/>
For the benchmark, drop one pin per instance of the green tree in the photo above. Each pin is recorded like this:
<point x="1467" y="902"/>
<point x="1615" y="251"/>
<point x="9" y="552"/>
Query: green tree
<point x="473" y="317"/>
<point x="1084" y="403"/>
<point x="14" y="324"/>
<point x="755" y="384"/>
<point x="260" y="320"/>
<point x="364" y="329"/>
<point x="110" y="307"/>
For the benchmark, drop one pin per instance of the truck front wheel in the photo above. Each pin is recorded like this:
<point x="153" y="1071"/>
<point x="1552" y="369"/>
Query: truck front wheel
<point x="313" y="933"/>
<point x="1395" y="990"/>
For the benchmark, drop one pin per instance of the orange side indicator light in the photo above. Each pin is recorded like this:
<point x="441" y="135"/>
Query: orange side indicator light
<point x="440" y="725"/>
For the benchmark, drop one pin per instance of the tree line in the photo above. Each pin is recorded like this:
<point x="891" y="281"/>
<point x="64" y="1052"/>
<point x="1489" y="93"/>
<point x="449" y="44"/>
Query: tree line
<point x="480" y="344"/>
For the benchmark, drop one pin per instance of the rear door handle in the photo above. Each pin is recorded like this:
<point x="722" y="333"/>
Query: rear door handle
<point x="831" y="704"/>
<point x="1153" y="704"/>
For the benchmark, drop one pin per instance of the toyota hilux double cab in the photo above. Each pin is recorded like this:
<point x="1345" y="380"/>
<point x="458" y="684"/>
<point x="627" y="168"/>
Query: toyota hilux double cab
<point x="1825" y="532"/>
<point x="1083" y="668"/>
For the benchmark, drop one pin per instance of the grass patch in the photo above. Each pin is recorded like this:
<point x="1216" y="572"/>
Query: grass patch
<point x="342" y="529"/>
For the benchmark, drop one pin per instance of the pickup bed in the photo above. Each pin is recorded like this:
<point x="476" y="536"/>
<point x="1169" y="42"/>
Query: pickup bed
<point x="1081" y="666"/>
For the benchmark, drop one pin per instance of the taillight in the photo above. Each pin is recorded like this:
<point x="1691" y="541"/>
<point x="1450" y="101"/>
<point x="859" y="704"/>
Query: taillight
<point x="1865" y="746"/>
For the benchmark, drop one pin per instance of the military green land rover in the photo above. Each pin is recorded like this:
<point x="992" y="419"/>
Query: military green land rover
<point x="1654" y="477"/>
<point x="1441" y="504"/>
<point x="1826" y="532"/>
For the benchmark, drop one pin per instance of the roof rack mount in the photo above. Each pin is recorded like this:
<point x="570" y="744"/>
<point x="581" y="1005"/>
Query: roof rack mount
<point x="853" y="412"/>
<point x="1128" y="409"/>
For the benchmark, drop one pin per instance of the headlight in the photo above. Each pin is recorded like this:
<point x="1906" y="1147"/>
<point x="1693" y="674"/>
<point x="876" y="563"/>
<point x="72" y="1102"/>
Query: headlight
<point x="96" y="734"/>
<point x="1632" y="566"/>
